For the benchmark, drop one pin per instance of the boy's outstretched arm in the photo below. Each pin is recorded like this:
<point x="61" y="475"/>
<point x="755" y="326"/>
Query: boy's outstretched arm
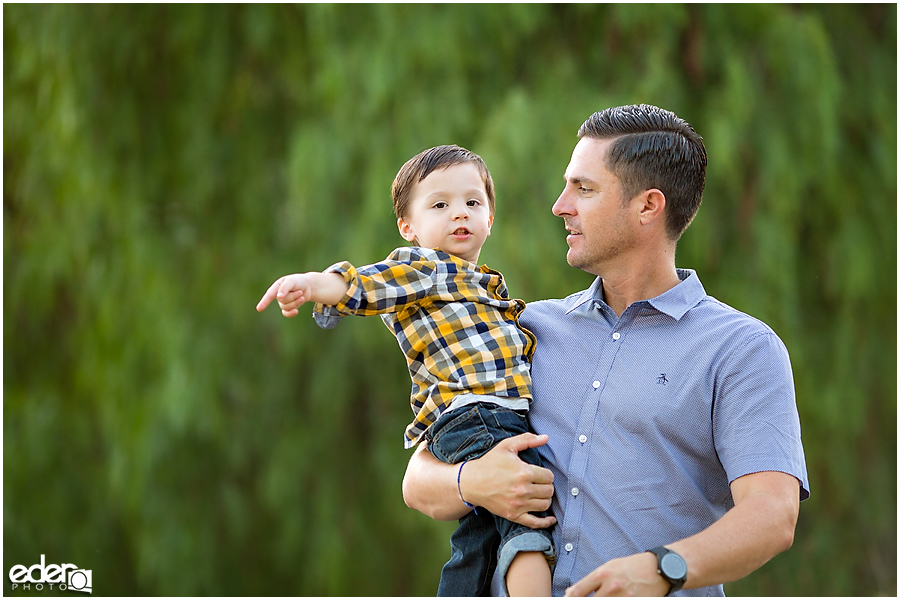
<point x="293" y="290"/>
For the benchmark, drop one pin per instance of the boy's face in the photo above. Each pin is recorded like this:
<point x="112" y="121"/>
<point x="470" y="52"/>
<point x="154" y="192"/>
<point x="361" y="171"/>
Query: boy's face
<point x="449" y="210"/>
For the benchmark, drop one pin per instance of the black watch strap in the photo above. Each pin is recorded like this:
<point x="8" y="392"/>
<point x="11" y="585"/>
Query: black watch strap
<point x="671" y="566"/>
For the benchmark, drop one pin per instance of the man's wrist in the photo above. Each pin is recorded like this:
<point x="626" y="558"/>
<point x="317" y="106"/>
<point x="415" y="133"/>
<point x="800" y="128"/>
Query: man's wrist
<point x="459" y="484"/>
<point x="671" y="567"/>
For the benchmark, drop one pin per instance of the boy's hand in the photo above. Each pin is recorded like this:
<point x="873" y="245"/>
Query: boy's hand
<point x="291" y="291"/>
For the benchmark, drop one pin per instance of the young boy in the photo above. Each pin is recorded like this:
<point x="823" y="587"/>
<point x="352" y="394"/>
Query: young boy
<point x="468" y="358"/>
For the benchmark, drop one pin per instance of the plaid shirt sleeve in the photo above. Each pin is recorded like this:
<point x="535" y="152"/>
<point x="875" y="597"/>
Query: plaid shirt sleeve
<point x="406" y="277"/>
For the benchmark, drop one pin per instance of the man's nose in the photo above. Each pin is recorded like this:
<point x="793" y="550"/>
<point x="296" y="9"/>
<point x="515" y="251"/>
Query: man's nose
<point x="562" y="206"/>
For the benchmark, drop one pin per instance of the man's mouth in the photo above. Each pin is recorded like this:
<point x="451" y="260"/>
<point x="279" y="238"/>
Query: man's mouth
<point x="572" y="231"/>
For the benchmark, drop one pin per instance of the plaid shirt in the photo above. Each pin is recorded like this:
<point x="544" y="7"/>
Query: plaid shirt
<point x="453" y="320"/>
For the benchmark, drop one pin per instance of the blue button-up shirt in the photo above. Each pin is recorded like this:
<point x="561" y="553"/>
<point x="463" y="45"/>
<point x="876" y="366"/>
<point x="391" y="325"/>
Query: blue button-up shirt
<point x="652" y="415"/>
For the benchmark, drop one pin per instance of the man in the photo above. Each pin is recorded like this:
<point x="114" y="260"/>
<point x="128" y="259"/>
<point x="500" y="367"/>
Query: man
<point x="671" y="430"/>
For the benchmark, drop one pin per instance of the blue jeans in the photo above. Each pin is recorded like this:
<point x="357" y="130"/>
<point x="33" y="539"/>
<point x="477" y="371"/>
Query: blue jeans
<point x="483" y="541"/>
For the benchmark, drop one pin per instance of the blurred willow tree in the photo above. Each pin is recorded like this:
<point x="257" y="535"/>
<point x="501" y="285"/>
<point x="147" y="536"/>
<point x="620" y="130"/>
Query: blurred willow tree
<point x="163" y="164"/>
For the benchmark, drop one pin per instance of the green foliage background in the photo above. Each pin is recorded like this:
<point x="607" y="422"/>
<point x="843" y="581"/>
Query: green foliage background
<point x="164" y="163"/>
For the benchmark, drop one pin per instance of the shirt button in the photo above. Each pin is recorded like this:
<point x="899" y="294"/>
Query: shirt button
<point x="569" y="547"/>
<point x="596" y="384"/>
<point x="617" y="335"/>
<point x="582" y="438"/>
<point x="574" y="491"/>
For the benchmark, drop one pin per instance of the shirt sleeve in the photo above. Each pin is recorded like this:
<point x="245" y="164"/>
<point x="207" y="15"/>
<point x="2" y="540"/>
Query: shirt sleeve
<point x="755" y="421"/>
<point x="403" y="279"/>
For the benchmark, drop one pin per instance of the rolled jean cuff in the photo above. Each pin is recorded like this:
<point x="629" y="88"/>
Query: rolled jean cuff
<point x="528" y="541"/>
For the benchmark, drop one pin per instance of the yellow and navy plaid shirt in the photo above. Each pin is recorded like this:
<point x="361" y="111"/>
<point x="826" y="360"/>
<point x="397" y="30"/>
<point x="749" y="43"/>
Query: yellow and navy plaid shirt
<point x="453" y="320"/>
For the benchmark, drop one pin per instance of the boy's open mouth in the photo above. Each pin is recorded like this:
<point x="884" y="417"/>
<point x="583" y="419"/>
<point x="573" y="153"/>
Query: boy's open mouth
<point x="461" y="232"/>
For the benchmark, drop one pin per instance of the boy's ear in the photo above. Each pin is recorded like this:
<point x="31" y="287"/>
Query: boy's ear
<point x="490" y="223"/>
<point x="406" y="231"/>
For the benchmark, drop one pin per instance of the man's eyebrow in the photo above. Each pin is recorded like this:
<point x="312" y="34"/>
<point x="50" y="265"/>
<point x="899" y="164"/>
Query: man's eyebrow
<point x="579" y="179"/>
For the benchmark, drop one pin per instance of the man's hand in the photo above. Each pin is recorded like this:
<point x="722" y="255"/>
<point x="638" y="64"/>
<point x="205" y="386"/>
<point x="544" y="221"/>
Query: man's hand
<point x="508" y="487"/>
<point x="635" y="575"/>
<point x="498" y="481"/>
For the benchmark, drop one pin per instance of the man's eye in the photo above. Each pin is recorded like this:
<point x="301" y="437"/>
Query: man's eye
<point x="581" y="188"/>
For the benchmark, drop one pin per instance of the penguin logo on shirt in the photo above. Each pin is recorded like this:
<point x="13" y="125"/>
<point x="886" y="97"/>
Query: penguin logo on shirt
<point x="661" y="380"/>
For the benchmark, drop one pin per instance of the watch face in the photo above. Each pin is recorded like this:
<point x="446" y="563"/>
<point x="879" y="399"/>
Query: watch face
<point x="673" y="566"/>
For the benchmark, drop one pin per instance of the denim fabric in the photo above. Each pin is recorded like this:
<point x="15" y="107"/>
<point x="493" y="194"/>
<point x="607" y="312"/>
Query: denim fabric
<point x="464" y="434"/>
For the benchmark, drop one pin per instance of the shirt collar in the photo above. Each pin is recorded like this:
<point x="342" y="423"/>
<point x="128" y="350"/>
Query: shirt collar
<point x="681" y="298"/>
<point x="595" y="292"/>
<point x="674" y="302"/>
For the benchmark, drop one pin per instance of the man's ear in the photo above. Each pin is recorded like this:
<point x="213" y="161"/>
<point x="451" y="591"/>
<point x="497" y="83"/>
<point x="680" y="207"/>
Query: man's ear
<point x="653" y="203"/>
<point x="406" y="230"/>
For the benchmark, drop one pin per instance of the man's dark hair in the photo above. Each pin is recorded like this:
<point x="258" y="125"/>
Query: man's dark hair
<point x="653" y="148"/>
<point x="428" y="161"/>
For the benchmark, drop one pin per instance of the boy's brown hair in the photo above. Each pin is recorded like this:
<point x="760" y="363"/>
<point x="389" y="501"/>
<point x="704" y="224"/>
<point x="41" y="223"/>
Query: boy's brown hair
<point x="425" y="163"/>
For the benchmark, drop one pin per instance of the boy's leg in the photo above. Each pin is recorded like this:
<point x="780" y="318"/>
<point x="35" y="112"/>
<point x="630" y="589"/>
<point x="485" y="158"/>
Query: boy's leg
<point x="526" y="556"/>
<point x="468" y="433"/>
<point x="529" y="575"/>
<point x="458" y="436"/>
<point x="473" y="551"/>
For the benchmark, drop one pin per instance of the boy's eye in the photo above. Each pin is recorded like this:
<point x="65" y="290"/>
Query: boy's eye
<point x="440" y="204"/>
<point x="473" y="203"/>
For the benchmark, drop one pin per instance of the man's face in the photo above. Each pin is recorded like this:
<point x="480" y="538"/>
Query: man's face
<point x="600" y="228"/>
<point x="449" y="210"/>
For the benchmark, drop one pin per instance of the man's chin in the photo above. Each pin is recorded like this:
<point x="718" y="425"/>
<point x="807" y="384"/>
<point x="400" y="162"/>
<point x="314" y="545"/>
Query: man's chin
<point x="573" y="259"/>
<point x="577" y="262"/>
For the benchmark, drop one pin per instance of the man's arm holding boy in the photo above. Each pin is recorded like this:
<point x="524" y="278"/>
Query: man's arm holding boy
<point x="760" y="525"/>
<point x="498" y="481"/>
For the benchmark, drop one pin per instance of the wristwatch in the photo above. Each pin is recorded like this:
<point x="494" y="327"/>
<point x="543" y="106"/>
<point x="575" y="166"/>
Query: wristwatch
<point x="672" y="568"/>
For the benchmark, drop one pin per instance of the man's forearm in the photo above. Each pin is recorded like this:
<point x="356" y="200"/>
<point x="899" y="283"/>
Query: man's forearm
<point x="760" y="526"/>
<point x="429" y="487"/>
<point x="499" y="481"/>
